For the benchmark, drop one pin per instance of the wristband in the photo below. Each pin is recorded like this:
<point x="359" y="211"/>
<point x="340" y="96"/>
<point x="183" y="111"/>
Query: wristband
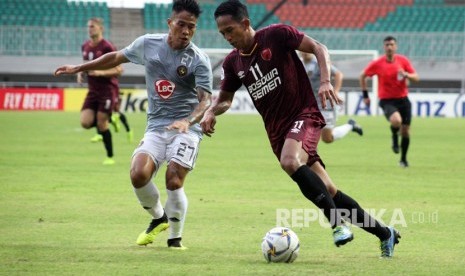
<point x="365" y="94"/>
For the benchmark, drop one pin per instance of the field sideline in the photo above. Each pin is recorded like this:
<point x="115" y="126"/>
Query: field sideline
<point x="63" y="213"/>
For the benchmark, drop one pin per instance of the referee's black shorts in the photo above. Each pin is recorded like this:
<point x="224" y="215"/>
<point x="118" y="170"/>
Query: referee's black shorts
<point x="402" y="105"/>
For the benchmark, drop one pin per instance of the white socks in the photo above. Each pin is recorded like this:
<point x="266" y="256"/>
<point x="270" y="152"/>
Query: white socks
<point x="176" y="208"/>
<point x="341" y="131"/>
<point x="149" y="198"/>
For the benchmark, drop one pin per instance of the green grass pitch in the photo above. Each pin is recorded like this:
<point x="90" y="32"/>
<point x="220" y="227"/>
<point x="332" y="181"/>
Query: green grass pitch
<point x="63" y="213"/>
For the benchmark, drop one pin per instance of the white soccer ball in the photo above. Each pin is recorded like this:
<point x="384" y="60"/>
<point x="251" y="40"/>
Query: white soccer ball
<point x="280" y="245"/>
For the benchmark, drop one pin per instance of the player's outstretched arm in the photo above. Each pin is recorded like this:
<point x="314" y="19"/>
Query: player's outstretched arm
<point x="220" y="105"/>
<point x="116" y="71"/>
<point x="107" y="61"/>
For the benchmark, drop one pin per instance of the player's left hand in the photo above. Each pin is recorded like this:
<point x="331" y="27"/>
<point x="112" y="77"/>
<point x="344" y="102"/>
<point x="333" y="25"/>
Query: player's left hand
<point x="208" y="123"/>
<point x="181" y="125"/>
<point x="327" y="92"/>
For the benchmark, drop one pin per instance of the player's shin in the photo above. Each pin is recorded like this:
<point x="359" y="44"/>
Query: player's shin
<point x="359" y="217"/>
<point x="341" y="131"/>
<point x="404" y="144"/>
<point x="176" y="209"/>
<point x="149" y="198"/>
<point x="107" y="142"/>
<point x="313" y="188"/>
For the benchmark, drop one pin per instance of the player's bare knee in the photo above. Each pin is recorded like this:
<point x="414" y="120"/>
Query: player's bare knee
<point x="332" y="189"/>
<point x="139" y="178"/>
<point x="175" y="176"/>
<point x="86" y="124"/>
<point x="396" y="121"/>
<point x="173" y="184"/>
<point x="173" y="180"/>
<point x="102" y="126"/>
<point x="289" y="164"/>
<point x="327" y="140"/>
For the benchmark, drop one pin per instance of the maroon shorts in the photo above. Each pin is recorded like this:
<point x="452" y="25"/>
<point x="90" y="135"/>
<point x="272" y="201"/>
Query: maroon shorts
<point x="304" y="130"/>
<point x="102" y="101"/>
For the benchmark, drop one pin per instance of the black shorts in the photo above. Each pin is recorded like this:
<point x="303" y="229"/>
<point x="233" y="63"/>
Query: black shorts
<point x="101" y="101"/>
<point x="402" y="105"/>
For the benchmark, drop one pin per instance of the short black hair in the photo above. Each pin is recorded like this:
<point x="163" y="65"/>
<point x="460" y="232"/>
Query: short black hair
<point x="190" y="6"/>
<point x="389" y="38"/>
<point x="234" y="8"/>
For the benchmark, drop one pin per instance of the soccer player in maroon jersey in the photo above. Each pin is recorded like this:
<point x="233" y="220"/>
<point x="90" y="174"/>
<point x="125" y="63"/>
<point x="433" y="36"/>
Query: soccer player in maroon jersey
<point x="393" y="71"/>
<point x="103" y="87"/>
<point x="266" y="63"/>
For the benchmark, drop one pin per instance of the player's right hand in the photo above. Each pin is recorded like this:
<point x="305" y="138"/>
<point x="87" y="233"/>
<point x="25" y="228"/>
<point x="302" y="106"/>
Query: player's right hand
<point x="66" y="70"/>
<point x="326" y="92"/>
<point x="367" y="101"/>
<point x="208" y="123"/>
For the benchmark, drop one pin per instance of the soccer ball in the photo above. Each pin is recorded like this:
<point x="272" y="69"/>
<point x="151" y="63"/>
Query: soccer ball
<point x="280" y="245"/>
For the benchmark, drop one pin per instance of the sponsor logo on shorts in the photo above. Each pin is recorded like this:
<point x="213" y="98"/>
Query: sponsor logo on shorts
<point x="297" y="126"/>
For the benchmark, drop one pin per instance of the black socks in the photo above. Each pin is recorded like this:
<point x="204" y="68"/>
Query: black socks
<point x="405" y="142"/>
<point x="395" y="136"/>
<point x="338" y="208"/>
<point x="313" y="188"/>
<point x="356" y="215"/>
<point x="124" y="121"/>
<point x="106" y="135"/>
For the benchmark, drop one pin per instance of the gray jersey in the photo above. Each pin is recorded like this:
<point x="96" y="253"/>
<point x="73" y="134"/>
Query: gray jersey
<point x="314" y="74"/>
<point x="172" y="77"/>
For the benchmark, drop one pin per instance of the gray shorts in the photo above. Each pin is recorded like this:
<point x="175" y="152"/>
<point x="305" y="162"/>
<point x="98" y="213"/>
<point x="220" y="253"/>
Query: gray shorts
<point x="330" y="117"/>
<point x="170" y="146"/>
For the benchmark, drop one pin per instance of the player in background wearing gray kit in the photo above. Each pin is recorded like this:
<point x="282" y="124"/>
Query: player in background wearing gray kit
<point x="330" y="132"/>
<point x="179" y="83"/>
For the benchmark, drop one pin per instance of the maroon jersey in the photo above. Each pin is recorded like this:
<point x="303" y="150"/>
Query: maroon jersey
<point x="90" y="52"/>
<point x="275" y="79"/>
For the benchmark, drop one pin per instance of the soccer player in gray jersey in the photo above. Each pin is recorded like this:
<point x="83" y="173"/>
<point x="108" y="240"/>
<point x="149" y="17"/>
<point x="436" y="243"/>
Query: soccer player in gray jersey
<point x="179" y="83"/>
<point x="330" y="132"/>
<point x="266" y="63"/>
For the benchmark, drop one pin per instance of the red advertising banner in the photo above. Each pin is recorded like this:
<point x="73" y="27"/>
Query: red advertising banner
<point x="31" y="99"/>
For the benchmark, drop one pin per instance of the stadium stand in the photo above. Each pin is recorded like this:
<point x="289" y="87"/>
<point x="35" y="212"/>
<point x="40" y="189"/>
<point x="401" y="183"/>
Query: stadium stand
<point x="54" y="27"/>
<point x="155" y="16"/>
<point x="371" y="15"/>
<point x="51" y="13"/>
<point x="430" y="31"/>
<point x="47" y="27"/>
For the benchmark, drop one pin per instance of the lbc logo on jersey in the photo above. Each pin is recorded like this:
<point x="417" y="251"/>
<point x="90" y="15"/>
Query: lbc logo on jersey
<point x="164" y="88"/>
